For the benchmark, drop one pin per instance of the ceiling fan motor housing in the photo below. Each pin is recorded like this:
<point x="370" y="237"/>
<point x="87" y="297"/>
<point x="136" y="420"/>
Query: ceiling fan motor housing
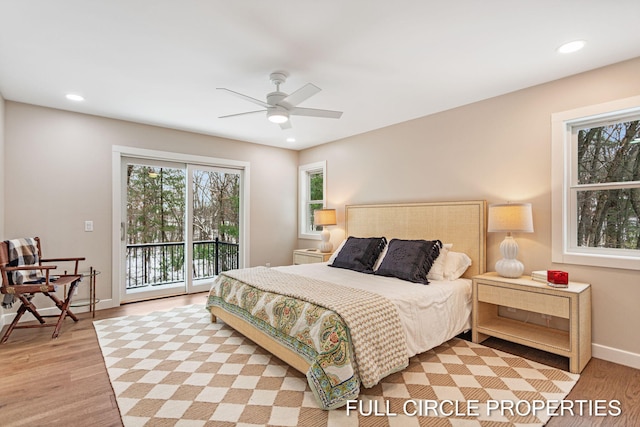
<point x="274" y="98"/>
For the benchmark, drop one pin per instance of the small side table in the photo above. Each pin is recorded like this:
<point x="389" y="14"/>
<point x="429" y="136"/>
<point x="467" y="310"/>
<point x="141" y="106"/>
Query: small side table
<point x="92" y="301"/>
<point x="491" y="291"/>
<point x="310" y="256"/>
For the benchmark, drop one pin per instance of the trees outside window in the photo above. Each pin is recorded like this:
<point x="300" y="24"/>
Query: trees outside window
<point x="312" y="195"/>
<point x="596" y="185"/>
<point x="608" y="201"/>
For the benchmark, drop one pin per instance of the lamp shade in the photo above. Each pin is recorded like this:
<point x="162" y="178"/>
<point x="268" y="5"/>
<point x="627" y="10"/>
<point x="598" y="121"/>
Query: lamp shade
<point x="324" y="217"/>
<point x="510" y="217"/>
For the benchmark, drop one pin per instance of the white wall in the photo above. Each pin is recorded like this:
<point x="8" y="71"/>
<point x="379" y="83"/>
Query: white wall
<point x="58" y="171"/>
<point x="498" y="150"/>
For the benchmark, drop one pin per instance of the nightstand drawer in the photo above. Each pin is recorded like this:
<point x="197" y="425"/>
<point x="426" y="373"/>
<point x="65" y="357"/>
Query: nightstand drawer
<point x="305" y="259"/>
<point x="309" y="256"/>
<point x="537" y="302"/>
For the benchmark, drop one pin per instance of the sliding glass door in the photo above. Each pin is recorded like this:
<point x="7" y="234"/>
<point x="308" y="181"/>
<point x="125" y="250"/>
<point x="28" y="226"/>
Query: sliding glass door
<point x="180" y="227"/>
<point x="215" y="223"/>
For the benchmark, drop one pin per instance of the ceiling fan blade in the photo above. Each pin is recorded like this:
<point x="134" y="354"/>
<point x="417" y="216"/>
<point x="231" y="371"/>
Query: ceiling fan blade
<point x="302" y="94"/>
<point x="241" y="114"/>
<point x="247" y="98"/>
<point x="313" y="112"/>
<point x="285" y="125"/>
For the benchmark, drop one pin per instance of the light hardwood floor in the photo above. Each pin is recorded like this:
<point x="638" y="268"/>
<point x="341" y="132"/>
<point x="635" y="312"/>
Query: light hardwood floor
<point x="64" y="382"/>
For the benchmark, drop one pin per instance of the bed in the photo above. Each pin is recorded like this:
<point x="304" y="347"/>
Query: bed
<point x="344" y="329"/>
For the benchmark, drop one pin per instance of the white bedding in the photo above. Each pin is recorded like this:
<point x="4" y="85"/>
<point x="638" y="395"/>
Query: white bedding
<point x="431" y="314"/>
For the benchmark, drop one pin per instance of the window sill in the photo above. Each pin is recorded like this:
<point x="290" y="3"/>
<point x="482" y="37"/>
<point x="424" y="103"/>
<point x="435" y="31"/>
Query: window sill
<point x="309" y="236"/>
<point x="597" y="260"/>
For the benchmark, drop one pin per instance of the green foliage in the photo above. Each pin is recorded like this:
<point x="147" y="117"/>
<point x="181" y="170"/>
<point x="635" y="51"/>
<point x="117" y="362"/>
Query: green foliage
<point x="316" y="181"/>
<point x="156" y="205"/>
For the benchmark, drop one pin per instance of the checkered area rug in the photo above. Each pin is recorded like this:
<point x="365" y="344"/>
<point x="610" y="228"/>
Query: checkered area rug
<point x="176" y="368"/>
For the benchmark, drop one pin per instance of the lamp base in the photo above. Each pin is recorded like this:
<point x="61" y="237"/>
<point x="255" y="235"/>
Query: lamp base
<point x="509" y="266"/>
<point x="325" y="246"/>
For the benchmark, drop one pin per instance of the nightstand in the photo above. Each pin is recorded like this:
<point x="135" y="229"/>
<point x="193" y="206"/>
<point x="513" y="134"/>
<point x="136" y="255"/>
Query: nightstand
<point x="491" y="291"/>
<point x="309" y="256"/>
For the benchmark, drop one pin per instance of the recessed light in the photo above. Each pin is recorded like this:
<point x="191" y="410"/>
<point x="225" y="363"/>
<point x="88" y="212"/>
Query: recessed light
<point x="291" y="139"/>
<point x="75" y="97"/>
<point x="571" y="47"/>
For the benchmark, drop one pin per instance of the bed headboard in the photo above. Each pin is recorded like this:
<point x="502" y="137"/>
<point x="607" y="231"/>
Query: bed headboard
<point x="461" y="223"/>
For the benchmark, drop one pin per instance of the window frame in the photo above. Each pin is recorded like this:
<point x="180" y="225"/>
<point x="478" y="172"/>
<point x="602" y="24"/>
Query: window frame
<point x="304" y="173"/>
<point x="564" y="180"/>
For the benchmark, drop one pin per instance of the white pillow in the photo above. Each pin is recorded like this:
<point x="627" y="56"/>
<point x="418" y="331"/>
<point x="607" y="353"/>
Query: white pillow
<point x="455" y="265"/>
<point x="437" y="269"/>
<point x="381" y="257"/>
<point x="336" y="252"/>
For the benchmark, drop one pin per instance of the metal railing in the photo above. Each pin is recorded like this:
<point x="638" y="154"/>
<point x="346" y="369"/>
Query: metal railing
<point x="153" y="264"/>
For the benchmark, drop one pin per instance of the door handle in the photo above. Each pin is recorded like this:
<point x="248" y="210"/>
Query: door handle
<point x="122" y="231"/>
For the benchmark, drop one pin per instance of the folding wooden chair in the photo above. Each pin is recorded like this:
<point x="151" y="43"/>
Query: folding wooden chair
<point x="45" y="284"/>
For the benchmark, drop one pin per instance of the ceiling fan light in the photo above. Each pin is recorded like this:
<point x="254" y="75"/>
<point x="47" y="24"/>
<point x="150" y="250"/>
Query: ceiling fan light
<point x="277" y="116"/>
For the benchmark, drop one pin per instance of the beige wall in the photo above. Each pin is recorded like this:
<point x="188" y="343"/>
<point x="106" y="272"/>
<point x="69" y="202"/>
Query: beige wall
<point x="59" y="173"/>
<point x="2" y="174"/>
<point x="498" y="150"/>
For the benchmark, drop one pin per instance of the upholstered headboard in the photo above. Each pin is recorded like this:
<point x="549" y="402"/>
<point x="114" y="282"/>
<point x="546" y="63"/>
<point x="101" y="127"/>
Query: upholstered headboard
<point x="461" y="223"/>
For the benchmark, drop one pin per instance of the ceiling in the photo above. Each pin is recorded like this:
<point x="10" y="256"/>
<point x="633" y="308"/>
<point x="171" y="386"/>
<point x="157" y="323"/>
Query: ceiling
<point x="160" y="62"/>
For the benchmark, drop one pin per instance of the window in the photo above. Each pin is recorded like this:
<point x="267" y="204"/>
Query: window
<point x="312" y="188"/>
<point x="596" y="185"/>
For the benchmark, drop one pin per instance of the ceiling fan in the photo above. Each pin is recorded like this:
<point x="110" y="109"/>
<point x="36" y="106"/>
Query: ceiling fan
<point x="280" y="106"/>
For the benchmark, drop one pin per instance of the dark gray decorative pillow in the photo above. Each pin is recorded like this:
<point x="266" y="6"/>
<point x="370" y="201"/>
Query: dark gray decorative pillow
<point x="409" y="260"/>
<point x="360" y="253"/>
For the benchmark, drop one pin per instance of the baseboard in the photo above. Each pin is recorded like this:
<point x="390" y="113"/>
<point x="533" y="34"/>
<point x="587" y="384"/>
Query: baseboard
<point x="621" y="357"/>
<point x="7" y="318"/>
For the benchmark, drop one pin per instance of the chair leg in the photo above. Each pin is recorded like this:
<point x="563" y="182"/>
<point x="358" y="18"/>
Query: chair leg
<point x="64" y="308"/>
<point x="67" y="302"/>
<point x="13" y="324"/>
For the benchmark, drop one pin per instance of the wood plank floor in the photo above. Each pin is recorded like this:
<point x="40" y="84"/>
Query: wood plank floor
<point x="64" y="382"/>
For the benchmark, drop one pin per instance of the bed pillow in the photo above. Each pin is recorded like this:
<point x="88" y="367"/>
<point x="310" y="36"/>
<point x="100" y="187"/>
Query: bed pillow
<point x="437" y="269"/>
<point x="455" y="265"/>
<point x="409" y="260"/>
<point x="359" y="253"/>
<point x="336" y="252"/>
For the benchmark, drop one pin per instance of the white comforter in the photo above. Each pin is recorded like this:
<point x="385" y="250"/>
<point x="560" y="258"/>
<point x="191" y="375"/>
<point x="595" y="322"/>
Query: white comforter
<point x="431" y="314"/>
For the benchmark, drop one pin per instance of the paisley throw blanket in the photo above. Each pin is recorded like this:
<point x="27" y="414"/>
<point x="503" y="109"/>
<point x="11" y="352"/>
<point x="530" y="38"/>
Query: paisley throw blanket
<point x="348" y="336"/>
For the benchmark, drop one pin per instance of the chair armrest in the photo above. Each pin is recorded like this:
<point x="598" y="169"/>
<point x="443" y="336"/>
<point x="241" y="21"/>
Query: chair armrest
<point x="76" y="260"/>
<point x="61" y="259"/>
<point x="30" y="267"/>
<point x="45" y="268"/>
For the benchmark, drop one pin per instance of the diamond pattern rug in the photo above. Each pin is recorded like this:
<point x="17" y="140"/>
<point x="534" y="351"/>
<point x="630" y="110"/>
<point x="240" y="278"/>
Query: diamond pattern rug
<point x="176" y="368"/>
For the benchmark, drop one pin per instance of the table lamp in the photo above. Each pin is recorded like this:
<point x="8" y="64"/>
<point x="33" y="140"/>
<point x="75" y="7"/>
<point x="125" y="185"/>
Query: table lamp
<point x="325" y="217"/>
<point x="509" y="218"/>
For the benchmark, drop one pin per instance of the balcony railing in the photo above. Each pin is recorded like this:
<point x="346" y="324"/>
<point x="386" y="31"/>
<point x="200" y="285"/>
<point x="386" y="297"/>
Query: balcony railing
<point x="153" y="264"/>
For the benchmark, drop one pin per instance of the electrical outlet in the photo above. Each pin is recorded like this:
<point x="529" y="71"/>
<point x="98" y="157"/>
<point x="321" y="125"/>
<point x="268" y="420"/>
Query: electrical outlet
<point x="88" y="226"/>
<point x="268" y="264"/>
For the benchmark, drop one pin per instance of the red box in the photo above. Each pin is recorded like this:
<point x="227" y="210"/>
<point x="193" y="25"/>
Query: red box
<point x="557" y="277"/>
